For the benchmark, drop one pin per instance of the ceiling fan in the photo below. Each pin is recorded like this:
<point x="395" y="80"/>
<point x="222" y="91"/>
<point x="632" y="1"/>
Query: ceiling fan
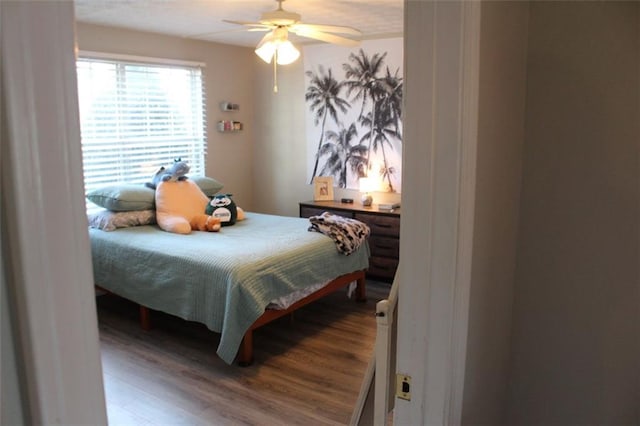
<point x="275" y="44"/>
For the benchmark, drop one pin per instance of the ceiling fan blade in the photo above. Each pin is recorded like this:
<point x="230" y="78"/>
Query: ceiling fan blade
<point x="232" y="30"/>
<point x="326" y="37"/>
<point x="248" y="24"/>
<point x="326" y="28"/>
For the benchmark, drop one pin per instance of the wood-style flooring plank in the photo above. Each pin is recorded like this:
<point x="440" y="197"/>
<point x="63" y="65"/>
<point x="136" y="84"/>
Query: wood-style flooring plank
<point x="307" y="370"/>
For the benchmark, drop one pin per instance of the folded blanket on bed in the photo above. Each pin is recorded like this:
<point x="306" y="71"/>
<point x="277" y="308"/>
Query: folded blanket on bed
<point x="348" y="234"/>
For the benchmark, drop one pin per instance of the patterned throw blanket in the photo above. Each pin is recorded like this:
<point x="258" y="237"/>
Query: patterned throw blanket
<point x="348" y="234"/>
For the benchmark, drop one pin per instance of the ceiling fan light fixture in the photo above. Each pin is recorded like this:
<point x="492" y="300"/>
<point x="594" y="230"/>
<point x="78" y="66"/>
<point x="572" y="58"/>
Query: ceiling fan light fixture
<point x="287" y="53"/>
<point x="266" y="51"/>
<point x="277" y="43"/>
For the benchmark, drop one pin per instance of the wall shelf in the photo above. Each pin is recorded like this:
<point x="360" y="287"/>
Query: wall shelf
<point x="225" y="126"/>
<point x="229" y="106"/>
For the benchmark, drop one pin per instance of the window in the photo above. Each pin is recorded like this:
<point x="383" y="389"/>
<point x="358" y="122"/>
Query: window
<point x="136" y="117"/>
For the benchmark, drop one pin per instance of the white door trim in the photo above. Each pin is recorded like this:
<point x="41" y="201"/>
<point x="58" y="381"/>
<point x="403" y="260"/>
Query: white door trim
<point x="50" y="276"/>
<point x="468" y="153"/>
<point x="439" y="156"/>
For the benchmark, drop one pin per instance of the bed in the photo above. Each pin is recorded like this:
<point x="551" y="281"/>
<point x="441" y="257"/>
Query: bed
<point x="226" y="280"/>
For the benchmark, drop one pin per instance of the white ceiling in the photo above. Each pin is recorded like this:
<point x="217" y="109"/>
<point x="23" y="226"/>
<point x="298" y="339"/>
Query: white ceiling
<point x="202" y="19"/>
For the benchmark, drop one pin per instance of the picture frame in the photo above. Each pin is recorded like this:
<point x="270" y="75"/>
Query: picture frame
<point x="323" y="188"/>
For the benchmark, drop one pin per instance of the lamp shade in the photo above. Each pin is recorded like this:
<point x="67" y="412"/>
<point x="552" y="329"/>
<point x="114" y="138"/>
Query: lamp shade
<point x="266" y="51"/>
<point x="366" y="184"/>
<point x="286" y="53"/>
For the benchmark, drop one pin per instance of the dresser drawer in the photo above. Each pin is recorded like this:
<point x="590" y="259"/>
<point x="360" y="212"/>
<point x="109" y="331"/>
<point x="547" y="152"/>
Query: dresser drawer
<point x="310" y="211"/>
<point x="382" y="267"/>
<point x="381" y="225"/>
<point x="384" y="246"/>
<point x="315" y="211"/>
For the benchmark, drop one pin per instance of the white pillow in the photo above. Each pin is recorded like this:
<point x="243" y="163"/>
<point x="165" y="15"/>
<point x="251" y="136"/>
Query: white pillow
<point x="108" y="220"/>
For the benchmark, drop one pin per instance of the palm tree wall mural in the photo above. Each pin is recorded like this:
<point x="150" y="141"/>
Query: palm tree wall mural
<point x="354" y="113"/>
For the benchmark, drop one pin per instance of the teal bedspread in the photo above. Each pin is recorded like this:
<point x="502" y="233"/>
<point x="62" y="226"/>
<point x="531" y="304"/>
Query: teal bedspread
<point x="224" y="279"/>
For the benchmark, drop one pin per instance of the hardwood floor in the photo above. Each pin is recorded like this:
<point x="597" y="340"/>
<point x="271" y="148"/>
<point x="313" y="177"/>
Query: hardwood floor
<point x="307" y="371"/>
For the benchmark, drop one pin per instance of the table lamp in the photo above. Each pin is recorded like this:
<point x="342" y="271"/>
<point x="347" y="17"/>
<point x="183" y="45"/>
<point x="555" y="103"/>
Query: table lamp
<point x="366" y="186"/>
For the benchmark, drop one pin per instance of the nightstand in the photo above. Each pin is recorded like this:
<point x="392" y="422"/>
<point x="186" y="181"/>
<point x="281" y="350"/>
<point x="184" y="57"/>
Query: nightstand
<point x="384" y="240"/>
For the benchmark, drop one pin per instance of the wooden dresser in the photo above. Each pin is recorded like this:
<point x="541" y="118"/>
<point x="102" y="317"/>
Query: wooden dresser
<point x="384" y="240"/>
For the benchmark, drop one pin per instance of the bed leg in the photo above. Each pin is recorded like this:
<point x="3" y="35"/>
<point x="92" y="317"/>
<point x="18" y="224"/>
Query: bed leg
<point x="361" y="290"/>
<point x="145" y="318"/>
<point x="245" y="353"/>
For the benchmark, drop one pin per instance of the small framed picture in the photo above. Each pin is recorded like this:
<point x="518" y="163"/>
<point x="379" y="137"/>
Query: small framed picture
<point x="323" y="188"/>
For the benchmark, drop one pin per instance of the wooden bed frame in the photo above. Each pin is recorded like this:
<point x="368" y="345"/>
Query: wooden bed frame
<point x="245" y="352"/>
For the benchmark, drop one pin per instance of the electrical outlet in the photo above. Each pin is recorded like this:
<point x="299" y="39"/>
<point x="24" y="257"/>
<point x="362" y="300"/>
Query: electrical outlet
<point x="403" y="386"/>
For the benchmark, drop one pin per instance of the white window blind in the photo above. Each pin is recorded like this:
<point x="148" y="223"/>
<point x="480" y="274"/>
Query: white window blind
<point x="136" y="117"/>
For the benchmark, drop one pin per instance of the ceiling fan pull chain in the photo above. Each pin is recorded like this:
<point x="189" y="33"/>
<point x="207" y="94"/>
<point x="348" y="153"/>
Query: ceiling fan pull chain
<point x="275" y="72"/>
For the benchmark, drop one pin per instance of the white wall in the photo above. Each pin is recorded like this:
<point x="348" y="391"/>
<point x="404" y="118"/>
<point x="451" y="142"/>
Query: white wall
<point x="280" y="147"/>
<point x="228" y="76"/>
<point x="575" y="354"/>
<point x="501" y="113"/>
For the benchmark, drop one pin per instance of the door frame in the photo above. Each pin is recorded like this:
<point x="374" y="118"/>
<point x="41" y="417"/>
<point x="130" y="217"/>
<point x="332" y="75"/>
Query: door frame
<point x="439" y="160"/>
<point x="48" y="269"/>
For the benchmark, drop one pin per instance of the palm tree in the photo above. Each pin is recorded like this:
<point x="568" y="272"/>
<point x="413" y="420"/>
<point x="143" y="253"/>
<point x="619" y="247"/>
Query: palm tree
<point x="341" y="153"/>
<point x="389" y="118"/>
<point x="383" y="130"/>
<point x="364" y="83"/>
<point x="391" y="99"/>
<point x="323" y="95"/>
<point x="362" y="76"/>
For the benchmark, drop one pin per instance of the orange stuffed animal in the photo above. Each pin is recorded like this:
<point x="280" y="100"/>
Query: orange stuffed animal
<point x="180" y="206"/>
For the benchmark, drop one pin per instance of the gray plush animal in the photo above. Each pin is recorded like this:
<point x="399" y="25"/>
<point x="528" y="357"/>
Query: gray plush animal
<point x="176" y="172"/>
